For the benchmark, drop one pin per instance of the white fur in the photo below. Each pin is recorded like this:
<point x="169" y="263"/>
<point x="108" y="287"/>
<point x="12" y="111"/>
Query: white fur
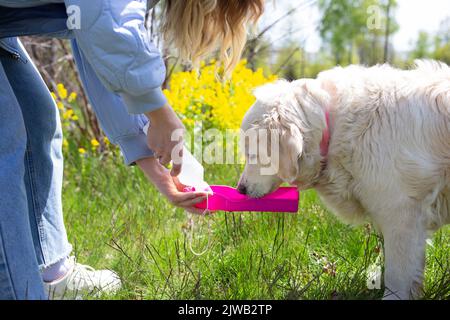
<point x="389" y="153"/>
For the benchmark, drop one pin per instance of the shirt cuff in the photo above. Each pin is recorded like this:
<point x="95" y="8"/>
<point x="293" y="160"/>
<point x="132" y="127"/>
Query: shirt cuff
<point x="152" y="100"/>
<point x="134" y="148"/>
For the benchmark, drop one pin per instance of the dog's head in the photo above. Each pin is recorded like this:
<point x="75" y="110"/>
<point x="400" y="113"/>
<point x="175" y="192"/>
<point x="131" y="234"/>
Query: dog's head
<point x="291" y="118"/>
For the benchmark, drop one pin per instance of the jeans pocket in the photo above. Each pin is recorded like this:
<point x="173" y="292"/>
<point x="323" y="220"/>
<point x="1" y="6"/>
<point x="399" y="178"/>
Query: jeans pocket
<point x="9" y="47"/>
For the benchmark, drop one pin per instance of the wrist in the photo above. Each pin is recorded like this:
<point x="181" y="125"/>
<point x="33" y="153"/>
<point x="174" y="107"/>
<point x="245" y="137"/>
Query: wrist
<point x="158" y="113"/>
<point x="151" y="167"/>
<point x="156" y="174"/>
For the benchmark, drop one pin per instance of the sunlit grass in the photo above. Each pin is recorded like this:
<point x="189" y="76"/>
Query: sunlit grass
<point x="117" y="220"/>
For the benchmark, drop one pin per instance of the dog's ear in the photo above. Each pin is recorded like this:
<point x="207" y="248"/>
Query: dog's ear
<point x="291" y="150"/>
<point x="313" y="98"/>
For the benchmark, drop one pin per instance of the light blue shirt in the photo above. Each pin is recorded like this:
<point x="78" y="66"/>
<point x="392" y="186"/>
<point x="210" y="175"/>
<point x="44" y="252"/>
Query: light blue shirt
<point x="121" y="70"/>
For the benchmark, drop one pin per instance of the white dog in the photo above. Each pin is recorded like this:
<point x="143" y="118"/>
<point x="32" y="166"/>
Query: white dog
<point x="375" y="144"/>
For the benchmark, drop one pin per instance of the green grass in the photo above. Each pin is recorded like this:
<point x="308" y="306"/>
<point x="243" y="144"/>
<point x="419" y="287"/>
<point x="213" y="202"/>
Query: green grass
<point x="117" y="220"/>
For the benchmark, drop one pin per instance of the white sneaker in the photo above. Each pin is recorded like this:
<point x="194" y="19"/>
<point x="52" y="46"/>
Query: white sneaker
<point x="82" y="280"/>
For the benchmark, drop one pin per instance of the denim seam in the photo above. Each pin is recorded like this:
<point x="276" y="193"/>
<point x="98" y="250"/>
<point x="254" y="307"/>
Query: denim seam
<point x="8" y="270"/>
<point x="56" y="260"/>
<point x="130" y="135"/>
<point x="36" y="206"/>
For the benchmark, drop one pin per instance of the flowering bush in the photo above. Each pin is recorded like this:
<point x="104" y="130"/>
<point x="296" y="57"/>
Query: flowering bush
<point x="76" y="132"/>
<point x="201" y="96"/>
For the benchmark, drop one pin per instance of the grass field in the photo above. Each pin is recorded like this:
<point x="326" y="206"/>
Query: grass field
<point x="117" y="220"/>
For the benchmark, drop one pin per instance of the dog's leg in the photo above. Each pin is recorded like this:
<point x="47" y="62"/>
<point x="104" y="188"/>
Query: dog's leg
<point x="404" y="249"/>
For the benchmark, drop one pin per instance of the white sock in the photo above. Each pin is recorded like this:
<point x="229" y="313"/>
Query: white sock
<point x="56" y="271"/>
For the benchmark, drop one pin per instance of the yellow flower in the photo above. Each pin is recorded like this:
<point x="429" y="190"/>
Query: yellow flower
<point x="75" y="118"/>
<point x="60" y="105"/>
<point x="62" y="91"/>
<point x="82" y="151"/>
<point x="68" y="114"/>
<point x="72" y="97"/>
<point x="65" y="143"/>
<point x="201" y="96"/>
<point x="106" y="141"/>
<point x="94" y="143"/>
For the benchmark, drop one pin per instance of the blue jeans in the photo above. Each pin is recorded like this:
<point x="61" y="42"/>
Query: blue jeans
<point x="32" y="232"/>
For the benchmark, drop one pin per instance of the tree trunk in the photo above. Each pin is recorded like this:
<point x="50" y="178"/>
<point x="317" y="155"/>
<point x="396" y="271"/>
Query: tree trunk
<point x="251" y="53"/>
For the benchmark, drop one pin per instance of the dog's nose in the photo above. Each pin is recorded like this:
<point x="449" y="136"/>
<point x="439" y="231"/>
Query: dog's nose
<point x="242" y="189"/>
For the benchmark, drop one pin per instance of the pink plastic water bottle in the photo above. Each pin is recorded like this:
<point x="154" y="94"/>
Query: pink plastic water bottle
<point x="228" y="199"/>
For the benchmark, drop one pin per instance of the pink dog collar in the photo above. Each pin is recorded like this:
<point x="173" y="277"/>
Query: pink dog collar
<point x="325" y="143"/>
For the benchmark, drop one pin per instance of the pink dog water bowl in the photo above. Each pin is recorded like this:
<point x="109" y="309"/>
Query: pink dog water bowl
<point x="229" y="199"/>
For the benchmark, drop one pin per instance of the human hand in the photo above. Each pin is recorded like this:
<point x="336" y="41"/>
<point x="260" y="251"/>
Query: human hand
<point x="163" y="124"/>
<point x="171" y="187"/>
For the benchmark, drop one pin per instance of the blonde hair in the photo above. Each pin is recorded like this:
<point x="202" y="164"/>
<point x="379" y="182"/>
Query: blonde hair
<point x="197" y="28"/>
